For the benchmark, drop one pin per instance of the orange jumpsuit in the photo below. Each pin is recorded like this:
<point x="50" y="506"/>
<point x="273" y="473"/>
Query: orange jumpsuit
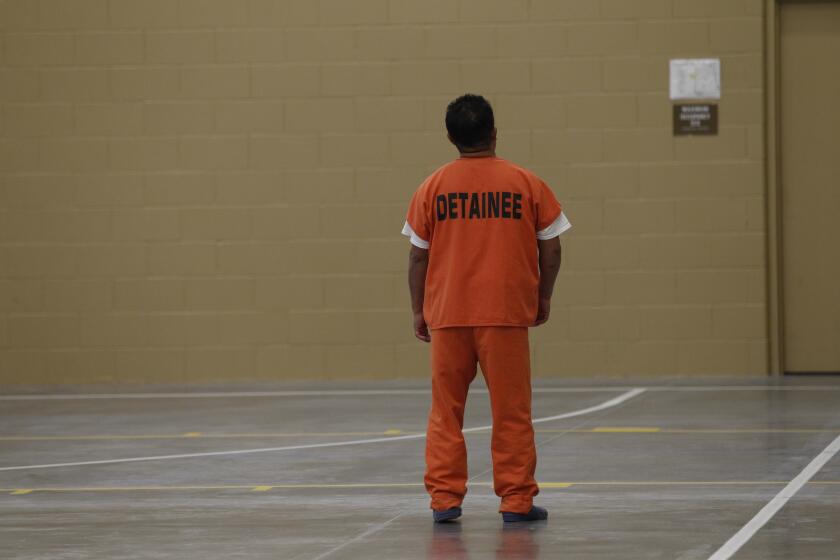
<point x="479" y="217"/>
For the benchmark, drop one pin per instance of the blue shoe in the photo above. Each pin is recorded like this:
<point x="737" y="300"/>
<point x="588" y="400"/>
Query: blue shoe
<point x="444" y="515"/>
<point x="536" y="514"/>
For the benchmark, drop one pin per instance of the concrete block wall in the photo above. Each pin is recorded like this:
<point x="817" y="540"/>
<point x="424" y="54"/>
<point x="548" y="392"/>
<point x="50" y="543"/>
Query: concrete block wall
<point x="213" y="189"/>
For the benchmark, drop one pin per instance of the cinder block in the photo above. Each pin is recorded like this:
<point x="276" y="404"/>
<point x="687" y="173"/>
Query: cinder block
<point x="412" y="360"/>
<point x="388" y="185"/>
<point x="149" y="14"/>
<point x="702" y="357"/>
<point x="78" y="366"/>
<point x="564" y="10"/>
<point x="161" y="365"/>
<point x="234" y="117"/>
<point x="711" y="215"/>
<point x="734" y="250"/>
<point x="321" y="115"/>
<point x="360" y="362"/>
<point x="320" y="43"/>
<point x="249" y="45"/>
<point x="290" y="292"/>
<point x="359" y="292"/>
<point x="688" y="38"/>
<point x="108" y="190"/>
<point x="152" y="153"/>
<point x="239" y="258"/>
<point x="19" y="14"/>
<point x="23" y="226"/>
<point x="219" y="224"/>
<point x="210" y="364"/>
<point x="355" y="79"/>
<point x="100" y="330"/>
<point x="494" y="10"/>
<point x="635" y="9"/>
<point x="387" y="114"/>
<point x="603" y="38"/>
<point x="178" y="189"/>
<point x="78" y="226"/>
<point x="43" y="331"/>
<point x="323" y="256"/>
<point x="254" y="328"/>
<point x="23" y="366"/>
<point x="643" y="357"/>
<point x="423" y="78"/>
<point x="730" y="143"/>
<point x="726" y="179"/>
<point x="19" y="84"/>
<point x="20" y="155"/>
<point x="640" y="216"/>
<point x="498" y="76"/>
<point x="710" y="8"/>
<point x="721" y="285"/>
<point x="622" y="74"/>
<point x="589" y="181"/>
<point x="73" y="154"/>
<point x="742" y="71"/>
<point x="213" y="152"/>
<point x="305" y="361"/>
<point x="37" y="119"/>
<point x="215" y="82"/>
<point x="354" y="149"/>
<point x="323" y="327"/>
<point x="460" y="42"/>
<point x="736" y="35"/>
<point x="671" y="323"/>
<point x="81" y="14"/>
<point x="109" y="48"/>
<point x="287" y="80"/>
<point x="739" y="322"/>
<point x="411" y="148"/>
<point x="279" y="14"/>
<point x="142" y="83"/>
<point x="431" y="11"/>
<point x="279" y="152"/>
<point x="567" y="75"/>
<point x="601" y="111"/>
<point x="220" y="293"/>
<point x="272" y="361"/>
<point x="186" y="258"/>
<point x="212" y="13"/>
<point x="638" y="145"/>
<point x="574" y="145"/>
<point x="183" y="329"/>
<point x="531" y="40"/>
<point x="149" y="294"/>
<point x="604" y="323"/>
<point x="171" y="117"/>
<point x="583" y="288"/>
<point x="146" y="224"/>
<point x="180" y="47"/>
<point x="250" y="188"/>
<point x="38" y="49"/>
<point x="390" y="43"/>
<point x="291" y="222"/>
<point x="21" y="295"/>
<point x="75" y="84"/>
<point x="109" y="119"/>
<point x="569" y="359"/>
<point x="669" y="252"/>
<point x="650" y="288"/>
<point x="378" y="256"/>
<point x="109" y="260"/>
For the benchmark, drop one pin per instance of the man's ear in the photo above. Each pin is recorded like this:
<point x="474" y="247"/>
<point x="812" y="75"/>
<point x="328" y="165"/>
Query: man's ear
<point x="493" y="134"/>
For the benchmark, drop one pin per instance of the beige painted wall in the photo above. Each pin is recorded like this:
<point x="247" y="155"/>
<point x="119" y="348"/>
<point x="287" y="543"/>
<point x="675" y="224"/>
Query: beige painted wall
<point x="213" y="189"/>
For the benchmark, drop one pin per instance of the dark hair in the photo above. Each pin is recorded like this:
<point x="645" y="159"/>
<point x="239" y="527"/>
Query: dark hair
<point x="469" y="122"/>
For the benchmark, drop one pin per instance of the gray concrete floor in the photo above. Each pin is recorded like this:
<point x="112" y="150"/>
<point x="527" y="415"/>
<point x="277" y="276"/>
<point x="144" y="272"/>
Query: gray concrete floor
<point x="672" y="474"/>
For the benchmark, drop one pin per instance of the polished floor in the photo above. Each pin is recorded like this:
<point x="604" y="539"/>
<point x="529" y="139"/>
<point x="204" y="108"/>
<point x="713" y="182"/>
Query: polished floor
<point x="673" y="471"/>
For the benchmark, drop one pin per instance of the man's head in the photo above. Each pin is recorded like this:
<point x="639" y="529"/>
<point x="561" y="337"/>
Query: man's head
<point x="470" y="124"/>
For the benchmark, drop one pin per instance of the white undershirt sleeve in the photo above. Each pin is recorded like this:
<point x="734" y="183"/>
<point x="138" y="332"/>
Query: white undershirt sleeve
<point x="415" y="239"/>
<point x="558" y="226"/>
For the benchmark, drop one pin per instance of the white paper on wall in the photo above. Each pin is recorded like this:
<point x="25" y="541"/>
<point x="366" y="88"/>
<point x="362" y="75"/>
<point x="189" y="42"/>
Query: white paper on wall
<point x="695" y="78"/>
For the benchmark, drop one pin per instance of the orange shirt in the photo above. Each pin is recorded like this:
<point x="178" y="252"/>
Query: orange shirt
<point x="481" y="216"/>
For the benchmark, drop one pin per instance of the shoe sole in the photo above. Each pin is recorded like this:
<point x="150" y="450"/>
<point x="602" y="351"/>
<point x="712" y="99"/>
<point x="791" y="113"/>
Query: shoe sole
<point x="443" y="517"/>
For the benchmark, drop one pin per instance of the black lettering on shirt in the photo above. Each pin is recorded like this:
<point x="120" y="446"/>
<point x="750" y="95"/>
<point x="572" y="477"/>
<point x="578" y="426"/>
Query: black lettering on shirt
<point x="462" y="196"/>
<point x="452" y="197"/>
<point x="475" y="211"/>
<point x="505" y="205"/>
<point x="517" y="206"/>
<point x="440" y="207"/>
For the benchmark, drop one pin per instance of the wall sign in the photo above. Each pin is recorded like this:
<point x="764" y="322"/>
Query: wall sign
<point x="695" y="119"/>
<point x="695" y="78"/>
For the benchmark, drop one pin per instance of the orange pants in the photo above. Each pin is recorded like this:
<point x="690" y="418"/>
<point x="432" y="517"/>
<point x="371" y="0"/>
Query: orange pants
<point x="505" y="362"/>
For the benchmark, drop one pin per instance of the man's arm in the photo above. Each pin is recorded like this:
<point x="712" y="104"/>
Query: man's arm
<point x="550" y="256"/>
<point x="418" y="263"/>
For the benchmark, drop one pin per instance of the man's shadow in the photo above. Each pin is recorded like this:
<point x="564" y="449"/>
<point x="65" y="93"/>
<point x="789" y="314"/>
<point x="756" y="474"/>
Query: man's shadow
<point x="514" y="541"/>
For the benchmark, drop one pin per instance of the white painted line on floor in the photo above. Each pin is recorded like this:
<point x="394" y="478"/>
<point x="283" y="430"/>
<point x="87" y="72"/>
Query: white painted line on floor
<point x="740" y="538"/>
<point x="378" y="392"/>
<point x="606" y="404"/>
<point x="362" y="536"/>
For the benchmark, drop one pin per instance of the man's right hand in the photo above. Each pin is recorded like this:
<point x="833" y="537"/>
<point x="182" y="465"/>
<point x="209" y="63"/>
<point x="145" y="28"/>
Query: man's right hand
<point x="421" y="330"/>
<point x="543" y="311"/>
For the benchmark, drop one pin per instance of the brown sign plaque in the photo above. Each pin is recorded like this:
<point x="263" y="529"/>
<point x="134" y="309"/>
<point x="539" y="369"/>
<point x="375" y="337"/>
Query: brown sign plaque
<point x="695" y="118"/>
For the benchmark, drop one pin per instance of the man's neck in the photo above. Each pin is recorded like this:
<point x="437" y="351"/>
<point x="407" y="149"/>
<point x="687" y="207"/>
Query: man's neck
<point x="490" y="152"/>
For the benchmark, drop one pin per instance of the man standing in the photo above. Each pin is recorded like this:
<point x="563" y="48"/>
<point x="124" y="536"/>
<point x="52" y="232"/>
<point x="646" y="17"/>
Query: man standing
<point x="484" y="257"/>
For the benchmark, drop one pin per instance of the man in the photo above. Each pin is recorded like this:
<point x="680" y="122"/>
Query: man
<point x="484" y="257"/>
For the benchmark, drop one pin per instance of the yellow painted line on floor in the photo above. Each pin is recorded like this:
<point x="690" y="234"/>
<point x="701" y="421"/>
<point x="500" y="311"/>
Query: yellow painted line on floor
<point x="384" y="485"/>
<point x="622" y="430"/>
<point x="395" y="432"/>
